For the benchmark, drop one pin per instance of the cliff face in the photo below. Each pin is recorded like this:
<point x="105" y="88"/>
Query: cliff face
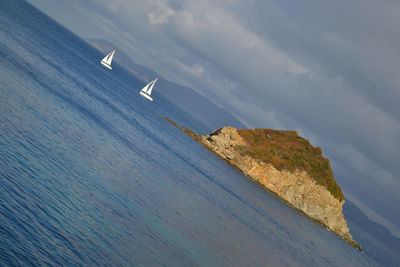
<point x="295" y="185"/>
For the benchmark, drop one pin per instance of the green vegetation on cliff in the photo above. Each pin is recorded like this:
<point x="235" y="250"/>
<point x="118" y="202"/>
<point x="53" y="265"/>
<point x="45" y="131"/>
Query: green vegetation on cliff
<point x="259" y="153"/>
<point x="285" y="150"/>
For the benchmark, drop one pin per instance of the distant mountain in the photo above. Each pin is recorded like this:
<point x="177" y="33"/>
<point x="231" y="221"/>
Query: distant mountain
<point x="187" y="99"/>
<point x="376" y="241"/>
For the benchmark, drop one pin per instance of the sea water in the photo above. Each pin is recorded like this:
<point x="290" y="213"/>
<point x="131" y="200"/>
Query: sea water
<point x="91" y="173"/>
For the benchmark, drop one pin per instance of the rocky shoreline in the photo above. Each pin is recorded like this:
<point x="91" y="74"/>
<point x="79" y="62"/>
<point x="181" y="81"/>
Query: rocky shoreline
<point x="294" y="185"/>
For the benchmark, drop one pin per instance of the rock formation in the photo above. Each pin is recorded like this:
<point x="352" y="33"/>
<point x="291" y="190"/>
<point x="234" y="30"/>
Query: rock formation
<point x="287" y="165"/>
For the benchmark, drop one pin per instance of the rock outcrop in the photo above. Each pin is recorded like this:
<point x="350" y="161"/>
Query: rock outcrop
<point x="291" y="180"/>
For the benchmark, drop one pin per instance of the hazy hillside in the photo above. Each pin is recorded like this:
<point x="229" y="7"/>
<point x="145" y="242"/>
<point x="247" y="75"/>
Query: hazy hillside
<point x="189" y="100"/>
<point x="375" y="239"/>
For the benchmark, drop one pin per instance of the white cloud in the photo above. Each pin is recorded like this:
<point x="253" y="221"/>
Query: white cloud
<point x="217" y="35"/>
<point x="160" y="13"/>
<point x="196" y="69"/>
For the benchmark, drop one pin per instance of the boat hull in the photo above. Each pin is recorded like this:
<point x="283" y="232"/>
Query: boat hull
<point x="106" y="65"/>
<point x="146" y="96"/>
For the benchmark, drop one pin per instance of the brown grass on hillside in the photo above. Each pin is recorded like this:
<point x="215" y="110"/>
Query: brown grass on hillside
<point x="285" y="150"/>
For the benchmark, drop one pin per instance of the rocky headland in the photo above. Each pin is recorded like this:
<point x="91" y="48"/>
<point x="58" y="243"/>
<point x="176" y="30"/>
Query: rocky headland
<point x="285" y="164"/>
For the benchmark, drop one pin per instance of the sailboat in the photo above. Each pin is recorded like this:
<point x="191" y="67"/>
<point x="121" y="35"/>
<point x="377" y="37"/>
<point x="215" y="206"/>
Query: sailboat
<point x="146" y="91"/>
<point x="106" y="61"/>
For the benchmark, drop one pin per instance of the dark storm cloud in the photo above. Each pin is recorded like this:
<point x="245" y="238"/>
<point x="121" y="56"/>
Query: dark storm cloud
<point x="327" y="69"/>
<point x="357" y="40"/>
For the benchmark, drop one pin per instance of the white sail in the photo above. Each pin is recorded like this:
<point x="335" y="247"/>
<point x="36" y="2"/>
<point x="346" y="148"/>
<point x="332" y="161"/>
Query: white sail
<point x="106" y="61"/>
<point x="146" y="87"/>
<point x="146" y="91"/>
<point x="151" y="87"/>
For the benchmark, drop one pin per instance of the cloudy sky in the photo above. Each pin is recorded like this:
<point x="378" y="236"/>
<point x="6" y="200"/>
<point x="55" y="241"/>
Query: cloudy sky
<point x="330" y="69"/>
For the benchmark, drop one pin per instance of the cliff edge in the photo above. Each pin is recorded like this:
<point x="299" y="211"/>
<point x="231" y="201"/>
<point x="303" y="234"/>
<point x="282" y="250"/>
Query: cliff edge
<point x="287" y="165"/>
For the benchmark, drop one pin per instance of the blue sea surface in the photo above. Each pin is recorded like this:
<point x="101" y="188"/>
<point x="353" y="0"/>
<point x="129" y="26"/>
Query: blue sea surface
<point x="91" y="173"/>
